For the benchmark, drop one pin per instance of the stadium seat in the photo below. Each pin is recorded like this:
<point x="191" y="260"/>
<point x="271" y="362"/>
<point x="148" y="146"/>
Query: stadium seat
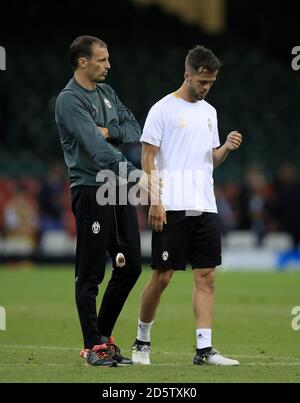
<point x="240" y="239"/>
<point x="278" y="241"/>
<point x="57" y="242"/>
<point x="17" y="246"/>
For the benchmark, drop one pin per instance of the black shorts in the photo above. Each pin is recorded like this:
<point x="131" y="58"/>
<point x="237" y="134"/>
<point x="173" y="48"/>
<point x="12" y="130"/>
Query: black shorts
<point x="187" y="239"/>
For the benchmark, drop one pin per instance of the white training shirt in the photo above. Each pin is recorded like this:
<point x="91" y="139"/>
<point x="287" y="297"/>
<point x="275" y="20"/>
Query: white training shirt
<point x="186" y="133"/>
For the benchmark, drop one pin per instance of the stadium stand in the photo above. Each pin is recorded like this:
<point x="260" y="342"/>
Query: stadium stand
<point x="256" y="93"/>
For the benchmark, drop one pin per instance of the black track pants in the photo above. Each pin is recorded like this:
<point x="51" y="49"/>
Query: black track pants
<point x="102" y="229"/>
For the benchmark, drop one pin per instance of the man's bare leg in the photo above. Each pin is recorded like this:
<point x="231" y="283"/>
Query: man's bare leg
<point x="149" y="303"/>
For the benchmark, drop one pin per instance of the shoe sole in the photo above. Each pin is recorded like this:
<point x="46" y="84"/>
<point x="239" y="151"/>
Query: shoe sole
<point x="216" y="365"/>
<point x="223" y="365"/>
<point x="124" y="365"/>
<point x="86" y="364"/>
<point x="140" y="363"/>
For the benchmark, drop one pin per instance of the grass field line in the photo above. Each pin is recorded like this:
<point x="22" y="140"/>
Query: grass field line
<point x="56" y="348"/>
<point x="244" y="364"/>
<point x="164" y="364"/>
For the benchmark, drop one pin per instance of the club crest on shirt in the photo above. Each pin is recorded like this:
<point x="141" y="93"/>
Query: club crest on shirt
<point x="181" y="123"/>
<point x="107" y="103"/>
<point x="96" y="227"/>
<point x="209" y="124"/>
<point x="165" y="255"/>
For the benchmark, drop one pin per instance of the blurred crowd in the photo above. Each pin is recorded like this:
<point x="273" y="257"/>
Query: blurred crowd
<point x="31" y="208"/>
<point x="262" y="205"/>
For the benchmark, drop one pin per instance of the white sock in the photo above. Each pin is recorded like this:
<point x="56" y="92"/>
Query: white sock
<point x="203" y="338"/>
<point x="143" y="332"/>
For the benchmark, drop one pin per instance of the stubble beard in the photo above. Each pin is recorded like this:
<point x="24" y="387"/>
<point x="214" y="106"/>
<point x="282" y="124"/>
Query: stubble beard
<point x="194" y="95"/>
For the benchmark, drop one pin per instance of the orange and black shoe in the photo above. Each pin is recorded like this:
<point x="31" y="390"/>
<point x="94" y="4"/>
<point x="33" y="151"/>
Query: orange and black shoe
<point x="116" y="353"/>
<point x="99" y="356"/>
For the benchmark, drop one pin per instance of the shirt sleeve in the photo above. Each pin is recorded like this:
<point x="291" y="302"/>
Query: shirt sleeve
<point x="216" y="139"/>
<point x="128" y="130"/>
<point x="73" y="114"/>
<point x="154" y="127"/>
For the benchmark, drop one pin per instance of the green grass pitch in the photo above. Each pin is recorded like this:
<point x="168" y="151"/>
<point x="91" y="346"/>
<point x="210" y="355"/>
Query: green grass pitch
<point x="253" y="318"/>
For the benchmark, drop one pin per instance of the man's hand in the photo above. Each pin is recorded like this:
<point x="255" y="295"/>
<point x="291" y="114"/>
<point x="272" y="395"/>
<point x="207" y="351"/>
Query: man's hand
<point x="157" y="217"/>
<point x="104" y="131"/>
<point x="234" y="140"/>
<point x="151" y="184"/>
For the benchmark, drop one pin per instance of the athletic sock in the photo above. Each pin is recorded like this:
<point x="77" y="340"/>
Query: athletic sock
<point x="203" y="338"/>
<point x="143" y="332"/>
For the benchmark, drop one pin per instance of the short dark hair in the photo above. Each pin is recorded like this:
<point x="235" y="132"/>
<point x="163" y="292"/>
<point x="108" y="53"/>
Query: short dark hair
<point x="200" y="56"/>
<point x="82" y="47"/>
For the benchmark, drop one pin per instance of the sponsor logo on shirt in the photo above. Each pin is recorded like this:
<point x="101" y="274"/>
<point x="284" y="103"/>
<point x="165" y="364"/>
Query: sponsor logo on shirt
<point x="181" y="123"/>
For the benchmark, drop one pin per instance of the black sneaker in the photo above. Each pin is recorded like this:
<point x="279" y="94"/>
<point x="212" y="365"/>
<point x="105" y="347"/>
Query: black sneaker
<point x="99" y="356"/>
<point x="115" y="353"/>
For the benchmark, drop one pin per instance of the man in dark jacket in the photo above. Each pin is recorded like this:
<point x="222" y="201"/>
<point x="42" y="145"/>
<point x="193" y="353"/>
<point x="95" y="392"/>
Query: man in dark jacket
<point x="92" y="123"/>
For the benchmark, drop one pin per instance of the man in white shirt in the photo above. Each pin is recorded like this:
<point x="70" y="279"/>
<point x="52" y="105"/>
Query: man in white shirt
<point x="180" y="143"/>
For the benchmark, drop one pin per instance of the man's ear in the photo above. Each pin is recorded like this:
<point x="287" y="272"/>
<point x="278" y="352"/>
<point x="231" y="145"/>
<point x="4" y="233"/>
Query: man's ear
<point x="82" y="61"/>
<point x="186" y="76"/>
